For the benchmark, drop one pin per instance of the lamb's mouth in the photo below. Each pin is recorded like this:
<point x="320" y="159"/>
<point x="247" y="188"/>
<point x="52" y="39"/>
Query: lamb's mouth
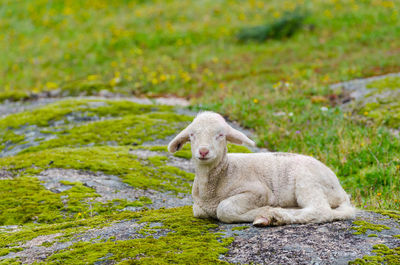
<point x="204" y="158"/>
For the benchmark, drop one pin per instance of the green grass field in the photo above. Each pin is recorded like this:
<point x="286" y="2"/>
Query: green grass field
<point x="190" y="49"/>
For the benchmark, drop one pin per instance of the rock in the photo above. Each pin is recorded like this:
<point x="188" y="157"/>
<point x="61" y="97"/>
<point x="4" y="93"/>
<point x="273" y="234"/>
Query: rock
<point x="51" y="192"/>
<point x="329" y="243"/>
<point x="172" y="101"/>
<point x="373" y="100"/>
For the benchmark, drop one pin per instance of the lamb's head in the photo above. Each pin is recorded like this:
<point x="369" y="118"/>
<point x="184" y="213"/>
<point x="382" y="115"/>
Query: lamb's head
<point x="208" y="134"/>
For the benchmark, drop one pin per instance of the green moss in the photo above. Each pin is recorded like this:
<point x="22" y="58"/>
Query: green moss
<point x="9" y="262"/>
<point x="232" y="148"/>
<point x="127" y="123"/>
<point x="5" y="251"/>
<point x="76" y="196"/>
<point x="391" y="82"/>
<point x="121" y="204"/>
<point x="383" y="106"/>
<point x="128" y="130"/>
<point x="110" y="160"/>
<point x="391" y="213"/>
<point x="24" y="199"/>
<point x="10" y="138"/>
<point x="67" y="228"/>
<point x="185" y="152"/>
<point x="13" y="95"/>
<point x="384" y="255"/>
<point x="362" y="227"/>
<point x="46" y="115"/>
<point x="383" y="112"/>
<point x="397" y="236"/>
<point x="239" y="228"/>
<point x="157" y="160"/>
<point x="188" y="242"/>
<point x="372" y="235"/>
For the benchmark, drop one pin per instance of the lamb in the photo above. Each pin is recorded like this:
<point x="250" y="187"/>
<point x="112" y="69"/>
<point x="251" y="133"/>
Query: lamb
<point x="263" y="188"/>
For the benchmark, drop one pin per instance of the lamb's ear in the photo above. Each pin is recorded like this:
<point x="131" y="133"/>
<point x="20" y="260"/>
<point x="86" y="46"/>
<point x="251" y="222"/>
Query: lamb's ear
<point x="236" y="137"/>
<point x="179" y="140"/>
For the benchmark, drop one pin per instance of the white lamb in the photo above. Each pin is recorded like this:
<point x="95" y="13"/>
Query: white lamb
<point x="263" y="188"/>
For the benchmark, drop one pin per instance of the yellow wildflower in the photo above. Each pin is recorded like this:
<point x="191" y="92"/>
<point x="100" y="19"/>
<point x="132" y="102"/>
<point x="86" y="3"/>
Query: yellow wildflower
<point x="260" y="4"/>
<point x="139" y="51"/>
<point x="255" y="100"/>
<point x="276" y="85"/>
<point x="116" y="80"/>
<point x="51" y="85"/>
<point x="92" y="77"/>
<point x="388" y="4"/>
<point x="328" y="14"/>
<point x="276" y="14"/>
<point x="379" y="194"/>
<point x="67" y="11"/>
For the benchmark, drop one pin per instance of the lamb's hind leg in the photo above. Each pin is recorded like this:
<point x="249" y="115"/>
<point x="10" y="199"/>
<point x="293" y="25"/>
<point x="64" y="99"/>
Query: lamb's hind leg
<point x="313" y="208"/>
<point x="243" y="207"/>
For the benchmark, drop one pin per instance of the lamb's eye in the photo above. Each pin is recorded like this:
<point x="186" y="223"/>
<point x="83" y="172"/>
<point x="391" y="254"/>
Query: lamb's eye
<point x="220" y="136"/>
<point x="191" y="135"/>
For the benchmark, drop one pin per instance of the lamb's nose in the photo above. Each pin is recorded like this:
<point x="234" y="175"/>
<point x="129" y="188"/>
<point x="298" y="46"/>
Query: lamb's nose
<point x="203" y="151"/>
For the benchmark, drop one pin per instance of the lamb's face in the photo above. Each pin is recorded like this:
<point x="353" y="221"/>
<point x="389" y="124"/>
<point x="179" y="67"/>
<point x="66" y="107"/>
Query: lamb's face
<point x="208" y="141"/>
<point x="208" y="134"/>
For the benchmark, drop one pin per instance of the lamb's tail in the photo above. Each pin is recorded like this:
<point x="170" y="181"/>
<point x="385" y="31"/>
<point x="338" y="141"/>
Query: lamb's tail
<point x="344" y="211"/>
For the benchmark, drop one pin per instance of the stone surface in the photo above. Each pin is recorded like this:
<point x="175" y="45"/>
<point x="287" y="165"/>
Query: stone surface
<point x="328" y="243"/>
<point x="109" y="188"/>
<point x="371" y="104"/>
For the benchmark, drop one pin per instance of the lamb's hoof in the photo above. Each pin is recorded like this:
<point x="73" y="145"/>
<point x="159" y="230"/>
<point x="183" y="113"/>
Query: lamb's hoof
<point x="261" y="221"/>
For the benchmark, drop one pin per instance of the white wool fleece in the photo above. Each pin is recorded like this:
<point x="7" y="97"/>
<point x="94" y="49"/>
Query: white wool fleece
<point x="263" y="188"/>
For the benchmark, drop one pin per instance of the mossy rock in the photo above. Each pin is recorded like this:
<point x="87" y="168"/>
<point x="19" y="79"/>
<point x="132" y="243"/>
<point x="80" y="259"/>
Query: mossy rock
<point x="375" y="99"/>
<point x="90" y="181"/>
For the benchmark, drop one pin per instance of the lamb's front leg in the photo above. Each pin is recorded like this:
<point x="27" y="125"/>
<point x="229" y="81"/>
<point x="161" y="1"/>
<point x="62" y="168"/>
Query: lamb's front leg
<point x="198" y="212"/>
<point x="243" y="207"/>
